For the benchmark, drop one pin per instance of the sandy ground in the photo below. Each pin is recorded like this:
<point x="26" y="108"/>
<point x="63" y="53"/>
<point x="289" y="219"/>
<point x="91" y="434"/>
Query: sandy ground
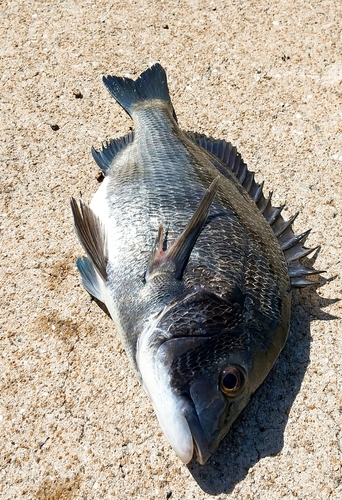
<point x="74" y="422"/>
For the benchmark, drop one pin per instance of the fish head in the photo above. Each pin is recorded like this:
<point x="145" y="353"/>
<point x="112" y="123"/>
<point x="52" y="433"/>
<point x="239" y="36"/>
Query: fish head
<point x="200" y="360"/>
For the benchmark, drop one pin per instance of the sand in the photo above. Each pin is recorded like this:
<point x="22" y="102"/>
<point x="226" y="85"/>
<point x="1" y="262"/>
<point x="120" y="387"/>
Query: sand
<point x="267" y="76"/>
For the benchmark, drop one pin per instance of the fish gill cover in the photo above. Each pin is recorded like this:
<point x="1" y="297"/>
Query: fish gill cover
<point x="192" y="262"/>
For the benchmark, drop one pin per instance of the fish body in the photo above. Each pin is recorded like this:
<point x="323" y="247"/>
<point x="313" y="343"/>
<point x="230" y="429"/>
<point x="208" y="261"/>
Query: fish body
<point x="193" y="264"/>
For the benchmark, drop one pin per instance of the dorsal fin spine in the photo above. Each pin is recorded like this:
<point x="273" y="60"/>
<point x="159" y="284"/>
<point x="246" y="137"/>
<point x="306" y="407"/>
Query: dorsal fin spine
<point x="291" y="244"/>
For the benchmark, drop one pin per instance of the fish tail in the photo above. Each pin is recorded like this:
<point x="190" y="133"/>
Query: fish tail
<point x="151" y="84"/>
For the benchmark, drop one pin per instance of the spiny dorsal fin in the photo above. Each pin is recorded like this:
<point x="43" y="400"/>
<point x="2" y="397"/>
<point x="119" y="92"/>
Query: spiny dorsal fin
<point x="105" y="156"/>
<point x="292" y="245"/>
<point x="175" y="258"/>
<point x="91" y="235"/>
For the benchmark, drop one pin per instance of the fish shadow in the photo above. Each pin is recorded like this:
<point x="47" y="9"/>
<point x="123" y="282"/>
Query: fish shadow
<point x="258" y="432"/>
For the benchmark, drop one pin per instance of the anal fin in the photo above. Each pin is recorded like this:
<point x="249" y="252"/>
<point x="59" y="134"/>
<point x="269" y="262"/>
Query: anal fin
<point x="104" y="157"/>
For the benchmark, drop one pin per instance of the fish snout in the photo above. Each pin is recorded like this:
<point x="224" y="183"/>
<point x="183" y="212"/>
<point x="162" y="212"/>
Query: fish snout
<point x="201" y="450"/>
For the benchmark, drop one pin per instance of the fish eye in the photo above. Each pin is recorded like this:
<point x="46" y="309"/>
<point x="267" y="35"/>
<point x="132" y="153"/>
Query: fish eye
<point x="232" y="380"/>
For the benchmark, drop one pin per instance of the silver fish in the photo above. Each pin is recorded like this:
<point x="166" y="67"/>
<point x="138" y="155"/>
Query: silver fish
<point x="193" y="264"/>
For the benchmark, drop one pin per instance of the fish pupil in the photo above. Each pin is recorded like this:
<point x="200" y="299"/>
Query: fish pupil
<point x="230" y="381"/>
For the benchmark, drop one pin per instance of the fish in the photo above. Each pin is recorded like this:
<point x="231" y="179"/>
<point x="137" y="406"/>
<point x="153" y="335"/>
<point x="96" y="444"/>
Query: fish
<point x="192" y="262"/>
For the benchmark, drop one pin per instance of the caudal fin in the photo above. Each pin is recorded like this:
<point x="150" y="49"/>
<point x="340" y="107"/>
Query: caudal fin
<point x="151" y="84"/>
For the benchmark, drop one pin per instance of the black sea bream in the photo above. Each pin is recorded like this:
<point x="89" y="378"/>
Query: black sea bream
<point x="193" y="264"/>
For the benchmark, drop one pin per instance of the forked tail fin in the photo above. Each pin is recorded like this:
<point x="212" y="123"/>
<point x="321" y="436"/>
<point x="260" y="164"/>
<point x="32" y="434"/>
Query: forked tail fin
<point x="151" y="84"/>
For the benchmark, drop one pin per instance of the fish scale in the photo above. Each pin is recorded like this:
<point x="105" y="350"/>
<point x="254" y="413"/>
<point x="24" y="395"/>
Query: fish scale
<point x="193" y="264"/>
<point x="182" y="198"/>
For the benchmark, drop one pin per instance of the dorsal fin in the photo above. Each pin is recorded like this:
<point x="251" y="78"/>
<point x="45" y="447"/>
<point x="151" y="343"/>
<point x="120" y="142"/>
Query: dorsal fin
<point x="292" y="245"/>
<point x="175" y="258"/>
<point x="105" y="156"/>
<point x="91" y="235"/>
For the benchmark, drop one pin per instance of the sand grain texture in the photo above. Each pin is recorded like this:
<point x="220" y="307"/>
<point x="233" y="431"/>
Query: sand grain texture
<point x="74" y="422"/>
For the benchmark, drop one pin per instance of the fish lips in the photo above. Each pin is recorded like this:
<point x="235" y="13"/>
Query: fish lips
<point x="187" y="420"/>
<point x="208" y="411"/>
<point x="191" y="408"/>
<point x="212" y="412"/>
<point x="200" y="402"/>
<point x="209" y="415"/>
<point x="201" y="446"/>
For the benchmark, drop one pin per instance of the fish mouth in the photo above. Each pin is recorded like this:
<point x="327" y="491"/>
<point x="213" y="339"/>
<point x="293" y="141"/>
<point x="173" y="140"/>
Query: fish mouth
<point x="192" y="432"/>
<point x="176" y="414"/>
<point x="200" y="445"/>
<point x="175" y="409"/>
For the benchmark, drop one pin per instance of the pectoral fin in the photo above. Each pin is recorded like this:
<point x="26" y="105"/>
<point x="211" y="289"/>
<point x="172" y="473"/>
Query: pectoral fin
<point x="176" y="257"/>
